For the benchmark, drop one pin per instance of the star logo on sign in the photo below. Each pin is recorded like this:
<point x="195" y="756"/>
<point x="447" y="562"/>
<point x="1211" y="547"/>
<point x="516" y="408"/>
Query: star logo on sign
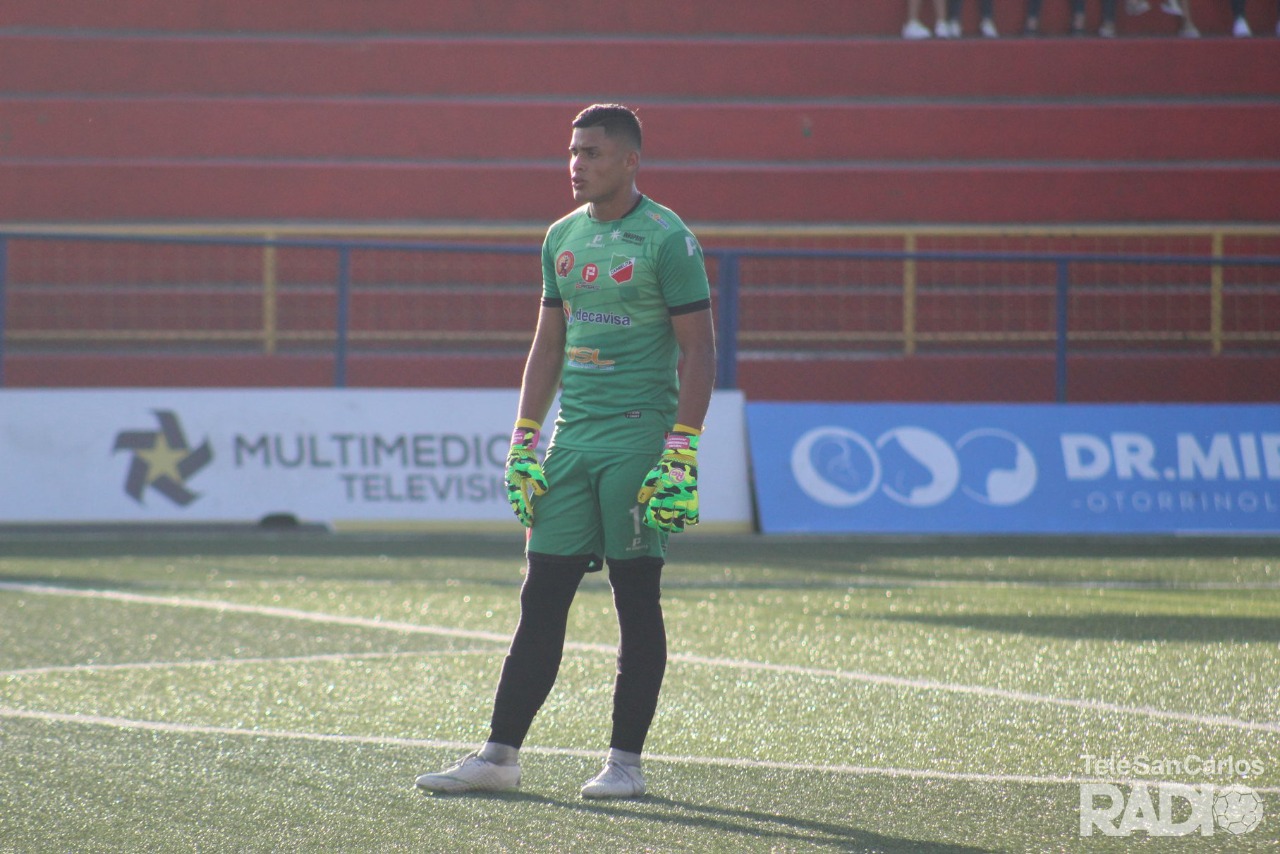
<point x="162" y="460"/>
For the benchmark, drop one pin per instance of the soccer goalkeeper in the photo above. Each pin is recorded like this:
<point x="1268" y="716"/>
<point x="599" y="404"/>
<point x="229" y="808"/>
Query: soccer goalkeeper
<point x="625" y="333"/>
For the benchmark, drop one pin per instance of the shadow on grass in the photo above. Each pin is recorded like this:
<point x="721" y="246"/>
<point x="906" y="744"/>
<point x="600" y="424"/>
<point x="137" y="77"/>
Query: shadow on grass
<point x="749" y="824"/>
<point x="1120" y="627"/>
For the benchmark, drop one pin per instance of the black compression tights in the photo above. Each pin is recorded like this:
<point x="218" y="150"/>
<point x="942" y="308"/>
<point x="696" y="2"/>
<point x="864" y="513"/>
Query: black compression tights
<point x="533" y="661"/>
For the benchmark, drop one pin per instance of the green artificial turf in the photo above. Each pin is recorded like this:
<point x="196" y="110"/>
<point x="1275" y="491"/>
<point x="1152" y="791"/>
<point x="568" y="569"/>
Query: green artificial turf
<point x="263" y="692"/>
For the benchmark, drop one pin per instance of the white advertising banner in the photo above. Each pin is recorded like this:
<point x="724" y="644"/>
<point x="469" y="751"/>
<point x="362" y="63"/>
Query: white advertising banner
<point x="237" y="455"/>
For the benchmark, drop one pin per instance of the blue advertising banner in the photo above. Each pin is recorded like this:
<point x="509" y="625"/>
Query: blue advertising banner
<point x="1016" y="469"/>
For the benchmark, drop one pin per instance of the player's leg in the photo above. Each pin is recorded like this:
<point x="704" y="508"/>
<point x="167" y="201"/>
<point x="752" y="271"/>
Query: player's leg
<point x="642" y="649"/>
<point x="635" y="556"/>
<point x="566" y="527"/>
<point x="565" y="543"/>
<point x="528" y="673"/>
<point x="642" y="663"/>
<point x="533" y="660"/>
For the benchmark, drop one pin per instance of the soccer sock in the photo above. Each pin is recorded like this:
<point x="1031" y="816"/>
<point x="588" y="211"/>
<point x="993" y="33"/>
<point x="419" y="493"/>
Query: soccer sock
<point x="622" y="757"/>
<point x="642" y="650"/>
<point x="532" y="662"/>
<point x="500" y="754"/>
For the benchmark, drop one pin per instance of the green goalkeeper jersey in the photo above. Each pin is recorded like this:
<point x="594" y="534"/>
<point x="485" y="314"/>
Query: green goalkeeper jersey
<point x="619" y="283"/>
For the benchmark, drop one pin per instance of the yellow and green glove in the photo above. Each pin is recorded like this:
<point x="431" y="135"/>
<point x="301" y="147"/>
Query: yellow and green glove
<point x="524" y="474"/>
<point x="670" y="492"/>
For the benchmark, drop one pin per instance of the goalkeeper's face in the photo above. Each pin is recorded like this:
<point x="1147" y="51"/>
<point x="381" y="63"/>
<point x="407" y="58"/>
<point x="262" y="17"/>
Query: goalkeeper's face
<point x="602" y="168"/>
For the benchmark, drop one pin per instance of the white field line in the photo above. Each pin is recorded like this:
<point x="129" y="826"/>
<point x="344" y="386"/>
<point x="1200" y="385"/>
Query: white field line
<point x="235" y="662"/>
<point x="687" y="658"/>
<point x="442" y="744"/>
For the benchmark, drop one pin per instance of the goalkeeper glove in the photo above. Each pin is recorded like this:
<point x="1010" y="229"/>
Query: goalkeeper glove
<point x="524" y="475"/>
<point x="670" y="492"/>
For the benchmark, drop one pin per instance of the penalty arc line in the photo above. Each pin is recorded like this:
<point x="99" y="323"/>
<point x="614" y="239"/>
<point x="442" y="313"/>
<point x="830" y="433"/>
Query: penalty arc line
<point x="679" y="657"/>
<point x="442" y="744"/>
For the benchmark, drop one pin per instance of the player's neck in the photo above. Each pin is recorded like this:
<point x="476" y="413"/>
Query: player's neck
<point x="611" y="209"/>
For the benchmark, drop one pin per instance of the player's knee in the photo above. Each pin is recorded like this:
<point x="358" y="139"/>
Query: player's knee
<point x="552" y="580"/>
<point x="639" y="577"/>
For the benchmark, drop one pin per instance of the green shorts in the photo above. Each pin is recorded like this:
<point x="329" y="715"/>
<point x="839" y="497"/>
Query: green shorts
<point x="590" y="506"/>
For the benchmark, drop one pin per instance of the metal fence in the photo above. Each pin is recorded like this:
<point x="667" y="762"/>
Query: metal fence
<point x="832" y="292"/>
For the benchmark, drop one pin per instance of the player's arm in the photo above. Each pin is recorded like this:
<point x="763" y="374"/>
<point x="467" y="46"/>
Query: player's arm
<point x="695" y="334"/>
<point x="670" y="491"/>
<point x="544" y="365"/>
<point x="524" y="476"/>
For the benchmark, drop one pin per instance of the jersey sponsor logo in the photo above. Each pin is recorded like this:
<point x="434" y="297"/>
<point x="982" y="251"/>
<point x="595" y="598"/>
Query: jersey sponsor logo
<point x="587" y="357"/>
<point x="657" y="217"/>
<point x="626" y="237"/>
<point x="564" y="264"/>
<point x="690" y="245"/>
<point x="596" y="242"/>
<point x="605" y="318"/>
<point x="622" y="268"/>
<point x="589" y="273"/>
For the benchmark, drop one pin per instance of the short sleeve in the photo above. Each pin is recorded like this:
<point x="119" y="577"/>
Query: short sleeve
<point x="682" y="272"/>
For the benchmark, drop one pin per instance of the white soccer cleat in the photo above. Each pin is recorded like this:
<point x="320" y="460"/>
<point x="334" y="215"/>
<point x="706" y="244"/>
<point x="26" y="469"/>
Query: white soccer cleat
<point x="615" y="781"/>
<point x="914" y="30"/>
<point x="472" y="774"/>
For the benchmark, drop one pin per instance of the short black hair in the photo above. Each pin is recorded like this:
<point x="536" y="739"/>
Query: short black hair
<point x="616" y="120"/>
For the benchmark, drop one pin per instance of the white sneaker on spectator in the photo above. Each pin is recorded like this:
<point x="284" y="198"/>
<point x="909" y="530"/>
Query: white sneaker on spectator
<point x="1171" y="7"/>
<point x="1240" y="29"/>
<point x="988" y="28"/>
<point x="914" y="30"/>
<point x="1107" y="31"/>
<point x="942" y="29"/>
<point x="1136" y="7"/>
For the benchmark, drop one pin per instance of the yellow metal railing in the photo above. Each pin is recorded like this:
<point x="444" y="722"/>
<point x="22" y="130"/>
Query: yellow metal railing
<point x="904" y="239"/>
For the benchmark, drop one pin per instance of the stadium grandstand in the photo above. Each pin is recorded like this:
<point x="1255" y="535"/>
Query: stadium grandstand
<point x="892" y="220"/>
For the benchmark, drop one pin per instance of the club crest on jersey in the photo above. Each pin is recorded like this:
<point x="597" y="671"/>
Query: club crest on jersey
<point x="622" y="268"/>
<point x="564" y="264"/>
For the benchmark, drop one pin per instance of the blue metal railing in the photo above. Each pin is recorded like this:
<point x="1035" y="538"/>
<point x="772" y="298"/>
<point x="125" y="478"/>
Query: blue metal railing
<point x="728" y="282"/>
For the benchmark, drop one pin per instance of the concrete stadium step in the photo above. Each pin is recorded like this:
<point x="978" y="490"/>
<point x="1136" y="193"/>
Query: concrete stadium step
<point x="733" y="69"/>
<point x="36" y="190"/>
<point x="452" y="129"/>
<point x="672" y="17"/>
